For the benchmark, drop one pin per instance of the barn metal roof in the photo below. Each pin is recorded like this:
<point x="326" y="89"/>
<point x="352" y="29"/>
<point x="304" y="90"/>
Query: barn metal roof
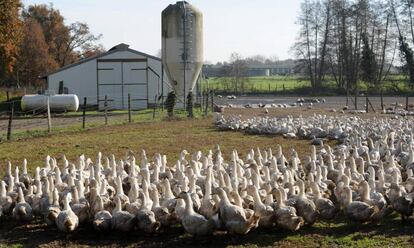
<point x="118" y="48"/>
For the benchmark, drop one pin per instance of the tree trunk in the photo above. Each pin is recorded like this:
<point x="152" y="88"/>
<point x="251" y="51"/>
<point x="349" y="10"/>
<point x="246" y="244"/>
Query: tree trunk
<point x="325" y="41"/>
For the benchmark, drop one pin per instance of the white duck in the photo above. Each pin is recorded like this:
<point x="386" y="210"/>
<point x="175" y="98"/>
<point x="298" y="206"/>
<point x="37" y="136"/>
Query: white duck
<point x="6" y="202"/>
<point x="145" y="216"/>
<point x="234" y="217"/>
<point x="357" y="210"/>
<point x="67" y="221"/>
<point x="285" y="215"/>
<point x="53" y="210"/>
<point x="103" y="218"/>
<point x="122" y="220"/>
<point x="194" y="223"/>
<point x="22" y="211"/>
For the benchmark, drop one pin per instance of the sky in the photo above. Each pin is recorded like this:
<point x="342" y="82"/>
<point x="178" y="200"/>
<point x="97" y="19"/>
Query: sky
<point x="260" y="27"/>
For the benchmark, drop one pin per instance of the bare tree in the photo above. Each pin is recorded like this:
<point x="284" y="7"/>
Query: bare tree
<point x="330" y="40"/>
<point x="80" y="38"/>
<point x="238" y="72"/>
<point x="312" y="44"/>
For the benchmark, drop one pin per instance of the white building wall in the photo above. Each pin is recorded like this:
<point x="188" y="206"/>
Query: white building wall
<point x="80" y="80"/>
<point x="123" y="55"/>
<point x="155" y="84"/>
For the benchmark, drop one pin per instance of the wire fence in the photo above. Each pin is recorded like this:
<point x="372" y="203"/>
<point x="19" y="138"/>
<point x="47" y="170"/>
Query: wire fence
<point x="338" y="102"/>
<point x="92" y="112"/>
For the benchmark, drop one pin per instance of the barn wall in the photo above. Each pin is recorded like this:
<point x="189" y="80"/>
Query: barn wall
<point x="123" y="55"/>
<point x="80" y="80"/>
<point x="155" y="85"/>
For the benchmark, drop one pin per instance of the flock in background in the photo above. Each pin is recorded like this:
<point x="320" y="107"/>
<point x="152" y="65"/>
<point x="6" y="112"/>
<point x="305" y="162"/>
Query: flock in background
<point x="365" y="178"/>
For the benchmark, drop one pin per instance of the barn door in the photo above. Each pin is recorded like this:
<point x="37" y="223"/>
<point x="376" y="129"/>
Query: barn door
<point x="136" y="84"/>
<point x="118" y="78"/>
<point x="110" y="85"/>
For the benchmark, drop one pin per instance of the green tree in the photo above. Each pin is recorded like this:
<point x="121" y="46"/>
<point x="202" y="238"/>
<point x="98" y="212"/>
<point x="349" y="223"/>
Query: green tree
<point x="368" y="62"/>
<point x="408" y="60"/>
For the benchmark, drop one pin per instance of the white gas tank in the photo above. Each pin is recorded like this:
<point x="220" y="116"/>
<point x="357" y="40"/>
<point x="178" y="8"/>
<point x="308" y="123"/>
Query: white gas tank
<point x="57" y="103"/>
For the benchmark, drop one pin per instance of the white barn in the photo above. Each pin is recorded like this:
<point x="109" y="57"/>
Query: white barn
<point x="116" y="74"/>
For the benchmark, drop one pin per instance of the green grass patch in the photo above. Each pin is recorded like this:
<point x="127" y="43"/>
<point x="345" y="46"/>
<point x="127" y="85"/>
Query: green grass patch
<point x="296" y="84"/>
<point x="142" y="116"/>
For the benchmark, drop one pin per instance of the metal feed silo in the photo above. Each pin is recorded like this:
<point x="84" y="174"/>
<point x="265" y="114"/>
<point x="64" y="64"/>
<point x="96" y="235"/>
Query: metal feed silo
<point x="182" y="46"/>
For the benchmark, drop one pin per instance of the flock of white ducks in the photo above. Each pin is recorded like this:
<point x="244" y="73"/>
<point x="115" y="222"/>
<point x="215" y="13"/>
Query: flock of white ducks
<point x="341" y="127"/>
<point x="364" y="180"/>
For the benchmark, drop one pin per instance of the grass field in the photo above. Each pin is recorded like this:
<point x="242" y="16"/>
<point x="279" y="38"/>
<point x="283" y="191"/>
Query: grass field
<point x="32" y="127"/>
<point x="170" y="137"/>
<point x="395" y="84"/>
<point x="260" y="84"/>
<point x="12" y="93"/>
<point x="118" y="138"/>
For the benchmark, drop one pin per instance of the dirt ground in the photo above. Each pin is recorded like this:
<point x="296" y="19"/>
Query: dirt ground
<point x="390" y="233"/>
<point x="21" y="124"/>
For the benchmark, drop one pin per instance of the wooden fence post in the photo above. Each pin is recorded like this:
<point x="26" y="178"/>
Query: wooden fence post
<point x="49" y="118"/>
<point x="129" y="108"/>
<point x="372" y="107"/>
<point x="406" y="103"/>
<point x="84" y="112"/>
<point x="7" y="96"/>
<point x="356" y="101"/>
<point x="201" y="101"/>
<point x="155" y="107"/>
<point x="382" y="100"/>
<point x="9" y="127"/>
<point x="206" y="106"/>
<point x="212" y="101"/>
<point x="366" y="103"/>
<point x="106" y="109"/>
